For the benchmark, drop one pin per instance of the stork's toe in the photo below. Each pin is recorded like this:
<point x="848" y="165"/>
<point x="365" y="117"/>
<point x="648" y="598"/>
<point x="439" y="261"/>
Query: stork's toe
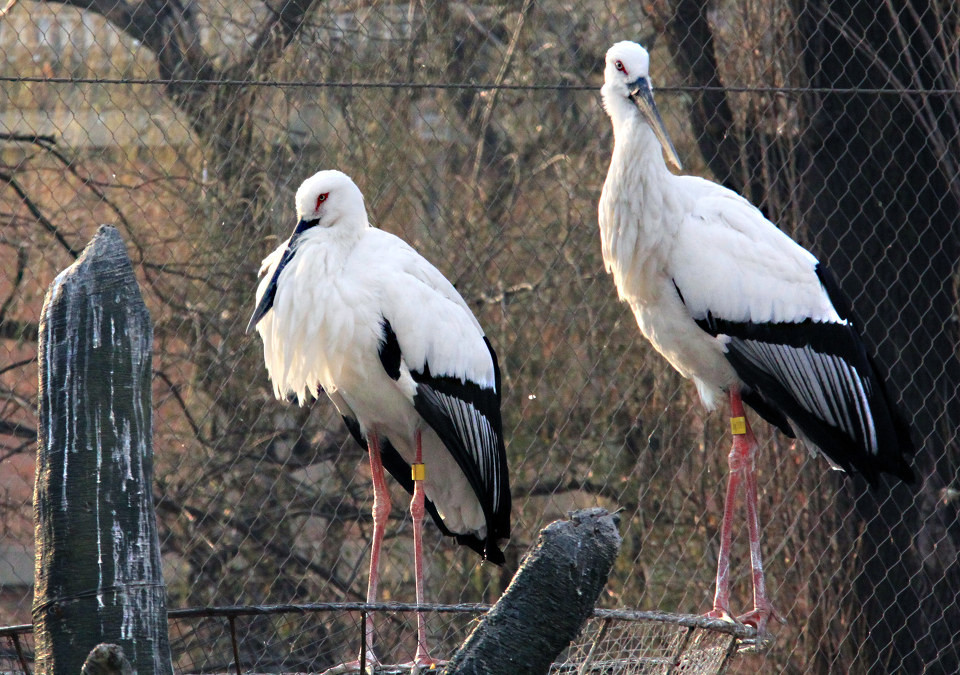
<point x="720" y="613"/>
<point x="759" y="617"/>
<point x="354" y="666"/>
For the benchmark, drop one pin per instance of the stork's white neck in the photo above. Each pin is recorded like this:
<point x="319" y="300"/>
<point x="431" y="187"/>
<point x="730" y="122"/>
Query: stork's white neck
<point x="620" y="108"/>
<point x="346" y="232"/>
<point x="635" y="227"/>
<point x="636" y="143"/>
<point x="325" y="250"/>
<point x="637" y="173"/>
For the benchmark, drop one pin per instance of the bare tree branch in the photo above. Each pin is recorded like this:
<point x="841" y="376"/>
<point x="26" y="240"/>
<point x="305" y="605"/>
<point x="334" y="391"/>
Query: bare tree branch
<point x="16" y="281"/>
<point x="25" y="331"/>
<point x="25" y="138"/>
<point x="35" y="210"/>
<point x="17" y="430"/>
<point x="276" y="549"/>
<point x="275" y="35"/>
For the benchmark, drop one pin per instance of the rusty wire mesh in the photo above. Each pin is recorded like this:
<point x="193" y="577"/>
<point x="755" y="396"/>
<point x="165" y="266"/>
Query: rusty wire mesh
<point x="317" y="636"/>
<point x="475" y="132"/>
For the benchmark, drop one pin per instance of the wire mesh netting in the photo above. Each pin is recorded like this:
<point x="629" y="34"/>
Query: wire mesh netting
<point x="475" y="132"/>
<point x="320" y="636"/>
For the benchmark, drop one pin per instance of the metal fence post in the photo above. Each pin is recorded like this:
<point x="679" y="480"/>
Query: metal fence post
<point x="97" y="576"/>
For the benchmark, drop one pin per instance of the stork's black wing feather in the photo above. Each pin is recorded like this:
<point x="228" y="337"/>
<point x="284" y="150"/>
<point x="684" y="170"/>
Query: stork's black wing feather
<point x="466" y="417"/>
<point x="817" y="377"/>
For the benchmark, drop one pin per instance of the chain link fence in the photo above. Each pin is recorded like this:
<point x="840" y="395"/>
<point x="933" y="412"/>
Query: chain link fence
<point x="476" y="133"/>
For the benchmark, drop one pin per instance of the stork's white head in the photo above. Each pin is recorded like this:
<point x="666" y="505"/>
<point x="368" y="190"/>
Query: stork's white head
<point x="627" y="90"/>
<point x="626" y="62"/>
<point x="326" y="201"/>
<point x="330" y="199"/>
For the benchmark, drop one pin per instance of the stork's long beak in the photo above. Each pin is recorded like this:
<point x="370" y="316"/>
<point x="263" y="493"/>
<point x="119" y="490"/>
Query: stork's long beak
<point x="270" y="292"/>
<point x="642" y="95"/>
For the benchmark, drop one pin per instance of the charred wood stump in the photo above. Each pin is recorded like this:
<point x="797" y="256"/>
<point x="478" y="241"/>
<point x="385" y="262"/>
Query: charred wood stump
<point x="97" y="576"/>
<point x="550" y="598"/>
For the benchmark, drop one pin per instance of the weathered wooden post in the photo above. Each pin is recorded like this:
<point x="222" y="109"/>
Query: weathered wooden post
<point x="98" y="576"/>
<point x="545" y="606"/>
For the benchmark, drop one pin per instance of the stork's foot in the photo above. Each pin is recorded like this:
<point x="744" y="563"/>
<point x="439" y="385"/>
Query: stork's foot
<point x="423" y="663"/>
<point x="759" y="617"/>
<point x="721" y="613"/>
<point x="354" y="666"/>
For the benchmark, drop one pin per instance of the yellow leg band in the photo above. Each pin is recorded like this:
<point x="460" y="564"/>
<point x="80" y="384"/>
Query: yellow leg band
<point x="418" y="471"/>
<point x="738" y="425"/>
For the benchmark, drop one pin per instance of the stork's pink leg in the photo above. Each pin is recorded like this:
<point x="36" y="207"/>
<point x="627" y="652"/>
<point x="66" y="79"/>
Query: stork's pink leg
<point x="763" y="609"/>
<point x="381" y="511"/>
<point x="417" y="511"/>
<point x="721" y="599"/>
<point x="741" y="461"/>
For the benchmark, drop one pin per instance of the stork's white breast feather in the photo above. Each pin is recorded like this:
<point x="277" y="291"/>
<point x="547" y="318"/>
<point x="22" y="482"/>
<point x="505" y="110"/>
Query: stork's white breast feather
<point x="342" y="294"/>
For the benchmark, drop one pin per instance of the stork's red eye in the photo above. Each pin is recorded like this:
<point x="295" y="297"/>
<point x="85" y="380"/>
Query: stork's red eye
<point x="619" y="65"/>
<point x="322" y="198"/>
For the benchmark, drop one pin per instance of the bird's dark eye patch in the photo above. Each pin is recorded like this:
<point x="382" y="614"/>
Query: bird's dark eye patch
<point x="322" y="198"/>
<point x="620" y="66"/>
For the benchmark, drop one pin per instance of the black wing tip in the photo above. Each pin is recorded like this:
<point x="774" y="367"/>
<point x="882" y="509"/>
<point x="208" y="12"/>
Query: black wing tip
<point x="905" y="448"/>
<point x="494" y="554"/>
<point x="905" y="473"/>
<point x="892" y="459"/>
<point x="488" y="549"/>
<point x="899" y="468"/>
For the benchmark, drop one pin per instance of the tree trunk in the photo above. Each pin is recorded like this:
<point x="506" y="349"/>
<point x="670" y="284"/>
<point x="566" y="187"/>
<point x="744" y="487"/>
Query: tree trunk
<point x="548" y="601"/>
<point x="884" y="216"/>
<point x="98" y="575"/>
<point x="690" y="39"/>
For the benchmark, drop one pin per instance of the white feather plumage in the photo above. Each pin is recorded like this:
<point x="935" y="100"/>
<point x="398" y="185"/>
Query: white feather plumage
<point x="661" y="233"/>
<point x="738" y="307"/>
<point x="732" y="302"/>
<point x="326" y="326"/>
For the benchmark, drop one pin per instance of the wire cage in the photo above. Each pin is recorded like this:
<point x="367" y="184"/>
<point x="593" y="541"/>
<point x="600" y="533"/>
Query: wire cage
<point x="314" y="637"/>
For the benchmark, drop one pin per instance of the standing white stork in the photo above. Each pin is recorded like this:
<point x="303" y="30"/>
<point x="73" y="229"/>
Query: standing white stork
<point x="738" y="307"/>
<point x="356" y="312"/>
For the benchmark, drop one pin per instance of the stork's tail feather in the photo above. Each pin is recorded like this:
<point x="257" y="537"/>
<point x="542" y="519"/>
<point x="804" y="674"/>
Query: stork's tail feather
<point x="900" y="445"/>
<point x="488" y="549"/>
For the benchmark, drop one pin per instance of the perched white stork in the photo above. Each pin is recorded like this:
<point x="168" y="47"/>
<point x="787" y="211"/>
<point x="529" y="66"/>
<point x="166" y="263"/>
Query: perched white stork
<point x="738" y="307"/>
<point x="356" y="312"/>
